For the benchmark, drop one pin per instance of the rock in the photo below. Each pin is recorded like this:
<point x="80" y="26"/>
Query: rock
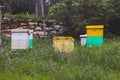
<point x="38" y="28"/>
<point x="56" y="27"/>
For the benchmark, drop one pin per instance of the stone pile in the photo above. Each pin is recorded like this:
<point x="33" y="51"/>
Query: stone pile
<point x="35" y="25"/>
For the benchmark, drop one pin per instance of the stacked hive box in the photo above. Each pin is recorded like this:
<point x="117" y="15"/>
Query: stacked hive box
<point x="63" y="44"/>
<point x="94" y="35"/>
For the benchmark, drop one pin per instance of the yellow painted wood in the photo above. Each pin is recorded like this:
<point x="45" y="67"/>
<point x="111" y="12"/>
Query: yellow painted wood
<point x="63" y="38"/>
<point x="63" y="44"/>
<point x="95" y="30"/>
<point x="94" y="26"/>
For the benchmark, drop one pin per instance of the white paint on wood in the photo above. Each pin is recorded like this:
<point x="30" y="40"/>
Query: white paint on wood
<point x="19" y="36"/>
<point x="19" y="39"/>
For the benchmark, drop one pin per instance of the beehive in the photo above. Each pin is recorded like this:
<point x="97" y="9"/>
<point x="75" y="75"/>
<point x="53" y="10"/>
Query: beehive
<point x="83" y="40"/>
<point x="94" y="35"/>
<point x="19" y="39"/>
<point x="63" y="44"/>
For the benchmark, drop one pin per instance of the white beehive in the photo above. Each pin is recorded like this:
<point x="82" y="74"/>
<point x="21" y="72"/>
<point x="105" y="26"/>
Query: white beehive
<point x="19" y="39"/>
<point x="83" y="39"/>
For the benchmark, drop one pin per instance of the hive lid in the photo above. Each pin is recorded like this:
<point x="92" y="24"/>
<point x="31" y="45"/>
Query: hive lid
<point x="83" y="35"/>
<point x="19" y="30"/>
<point x="94" y="26"/>
<point x="63" y="38"/>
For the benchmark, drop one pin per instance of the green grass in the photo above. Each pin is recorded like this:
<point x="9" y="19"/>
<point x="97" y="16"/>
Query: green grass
<point x="22" y="16"/>
<point x="42" y="63"/>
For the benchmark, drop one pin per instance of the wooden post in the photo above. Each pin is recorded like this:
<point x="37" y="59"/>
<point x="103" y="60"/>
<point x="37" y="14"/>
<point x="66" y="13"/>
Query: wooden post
<point x="1" y="50"/>
<point x="43" y="19"/>
<point x="37" y="7"/>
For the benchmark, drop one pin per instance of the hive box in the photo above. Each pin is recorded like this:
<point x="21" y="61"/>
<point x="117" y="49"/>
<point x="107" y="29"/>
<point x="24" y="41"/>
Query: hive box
<point x="83" y="40"/>
<point x="63" y="44"/>
<point x="95" y="41"/>
<point x="19" y="39"/>
<point x="94" y="30"/>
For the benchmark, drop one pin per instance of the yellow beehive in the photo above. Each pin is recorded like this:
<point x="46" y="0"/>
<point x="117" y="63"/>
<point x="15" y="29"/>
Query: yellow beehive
<point x="95" y="30"/>
<point x="63" y="44"/>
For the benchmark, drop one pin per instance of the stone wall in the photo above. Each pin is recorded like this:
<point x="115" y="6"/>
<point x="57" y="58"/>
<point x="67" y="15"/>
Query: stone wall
<point x="36" y="25"/>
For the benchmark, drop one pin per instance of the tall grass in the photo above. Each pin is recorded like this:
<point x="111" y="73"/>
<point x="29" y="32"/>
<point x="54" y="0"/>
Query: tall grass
<point x="42" y="63"/>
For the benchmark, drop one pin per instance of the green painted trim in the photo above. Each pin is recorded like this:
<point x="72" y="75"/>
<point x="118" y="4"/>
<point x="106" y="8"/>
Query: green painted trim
<point x="30" y="42"/>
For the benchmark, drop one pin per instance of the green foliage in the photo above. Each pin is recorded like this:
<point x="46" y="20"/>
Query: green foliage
<point x="76" y="14"/>
<point x="115" y="25"/>
<point x="18" y="6"/>
<point x="21" y="16"/>
<point x="84" y="63"/>
<point x="54" y="9"/>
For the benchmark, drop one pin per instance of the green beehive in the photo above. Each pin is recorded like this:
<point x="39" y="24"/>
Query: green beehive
<point x="95" y="41"/>
<point x="94" y="35"/>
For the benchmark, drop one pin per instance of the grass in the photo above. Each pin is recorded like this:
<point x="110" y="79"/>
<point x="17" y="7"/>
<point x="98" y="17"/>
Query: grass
<point x="42" y="63"/>
<point x="22" y="16"/>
